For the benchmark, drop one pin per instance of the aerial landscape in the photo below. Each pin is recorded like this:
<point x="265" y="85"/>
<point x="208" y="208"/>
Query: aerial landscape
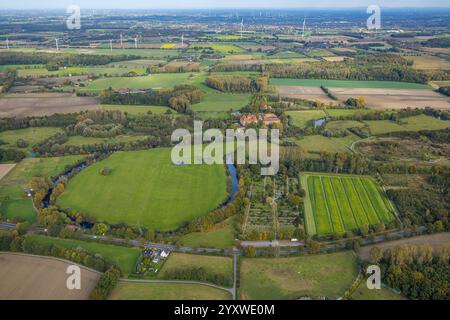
<point x="339" y="188"/>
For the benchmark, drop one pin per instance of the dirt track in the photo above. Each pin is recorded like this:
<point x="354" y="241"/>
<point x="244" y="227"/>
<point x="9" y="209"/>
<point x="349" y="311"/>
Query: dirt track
<point x="25" y="277"/>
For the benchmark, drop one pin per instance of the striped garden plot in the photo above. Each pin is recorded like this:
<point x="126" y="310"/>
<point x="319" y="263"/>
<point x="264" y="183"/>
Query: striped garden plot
<point x="341" y="203"/>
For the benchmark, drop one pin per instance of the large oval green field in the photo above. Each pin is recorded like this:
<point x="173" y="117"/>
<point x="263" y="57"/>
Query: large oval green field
<point x="144" y="188"/>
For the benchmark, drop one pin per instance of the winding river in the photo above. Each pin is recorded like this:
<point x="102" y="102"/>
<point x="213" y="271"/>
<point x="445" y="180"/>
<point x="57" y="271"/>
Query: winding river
<point x="81" y="166"/>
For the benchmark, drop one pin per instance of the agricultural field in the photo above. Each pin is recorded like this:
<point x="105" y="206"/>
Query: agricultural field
<point x="347" y="84"/>
<point x="398" y="98"/>
<point x="220" y="237"/>
<point x="13" y="201"/>
<point x="320" y="143"/>
<point x="336" y="113"/>
<point x="214" y="266"/>
<point x="336" y="204"/>
<point x="305" y="93"/>
<point x="428" y="62"/>
<point x="123" y="257"/>
<point x="167" y="291"/>
<point x="151" y="192"/>
<point x="79" y="140"/>
<point x="155" y="81"/>
<point x="223" y="48"/>
<point x="41" y="104"/>
<point x="26" y="277"/>
<point x="415" y="123"/>
<point x="156" y="54"/>
<point x="73" y="71"/>
<point x="135" y="110"/>
<point x="304" y="117"/>
<point x="293" y="278"/>
<point x="344" y="124"/>
<point x="32" y="136"/>
<point x="217" y="101"/>
<point x="212" y="115"/>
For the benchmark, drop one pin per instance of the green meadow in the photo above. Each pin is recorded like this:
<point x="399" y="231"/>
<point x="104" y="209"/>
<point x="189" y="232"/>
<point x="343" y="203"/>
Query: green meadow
<point x="13" y="201"/>
<point x="145" y="188"/>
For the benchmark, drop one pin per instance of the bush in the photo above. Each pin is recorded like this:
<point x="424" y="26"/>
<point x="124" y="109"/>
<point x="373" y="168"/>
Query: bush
<point x="105" y="285"/>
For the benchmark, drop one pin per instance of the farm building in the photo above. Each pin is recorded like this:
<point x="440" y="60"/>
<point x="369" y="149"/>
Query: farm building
<point x="266" y="118"/>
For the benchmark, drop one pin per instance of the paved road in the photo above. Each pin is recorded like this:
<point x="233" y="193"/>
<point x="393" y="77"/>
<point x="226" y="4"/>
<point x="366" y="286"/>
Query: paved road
<point x="7" y="226"/>
<point x="276" y="243"/>
<point x="257" y="244"/>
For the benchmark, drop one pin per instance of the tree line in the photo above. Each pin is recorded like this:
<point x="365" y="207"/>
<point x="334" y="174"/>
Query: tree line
<point x="53" y="61"/>
<point x="179" y="98"/>
<point x="237" y="83"/>
<point x="386" y="67"/>
<point x="11" y="241"/>
<point x="419" y="272"/>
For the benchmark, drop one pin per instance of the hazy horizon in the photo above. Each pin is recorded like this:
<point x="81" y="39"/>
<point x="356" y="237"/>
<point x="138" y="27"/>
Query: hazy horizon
<point x="231" y="4"/>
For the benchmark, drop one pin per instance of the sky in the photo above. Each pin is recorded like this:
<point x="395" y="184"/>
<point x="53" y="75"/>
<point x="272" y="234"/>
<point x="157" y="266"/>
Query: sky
<point x="207" y="4"/>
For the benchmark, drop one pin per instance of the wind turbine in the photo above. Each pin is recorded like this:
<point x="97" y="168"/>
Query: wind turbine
<point x="242" y="27"/>
<point x="111" y="45"/>
<point x="7" y="43"/>
<point x="57" y="46"/>
<point x="121" y="41"/>
<point x="304" y="25"/>
<point x="136" y="42"/>
<point x="182" y="40"/>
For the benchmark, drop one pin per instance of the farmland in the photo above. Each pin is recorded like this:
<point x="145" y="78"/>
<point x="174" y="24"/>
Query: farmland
<point x="220" y="237"/>
<point x="123" y="257"/>
<point x="320" y="143"/>
<point x="152" y="192"/>
<point x="135" y="110"/>
<point x="302" y="118"/>
<point x="167" y="291"/>
<point x="14" y="204"/>
<point x="79" y="140"/>
<point x="40" y="104"/>
<point x="292" y="278"/>
<point x="337" y="204"/>
<point x="30" y="135"/>
<point x="214" y="101"/>
<point x="415" y="123"/>
<point x="39" y="278"/>
<point x="156" y="81"/>
<point x="348" y="84"/>
<point x="214" y="267"/>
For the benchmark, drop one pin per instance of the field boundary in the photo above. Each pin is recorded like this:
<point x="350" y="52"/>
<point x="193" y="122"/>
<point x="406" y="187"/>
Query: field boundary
<point x="354" y="190"/>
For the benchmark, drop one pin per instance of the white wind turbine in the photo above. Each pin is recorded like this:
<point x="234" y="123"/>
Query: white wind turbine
<point x="7" y="43"/>
<point x="111" y="45"/>
<point x="242" y="27"/>
<point x="304" y="26"/>
<point x="121" y="41"/>
<point x="136" y="42"/>
<point x="57" y="45"/>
